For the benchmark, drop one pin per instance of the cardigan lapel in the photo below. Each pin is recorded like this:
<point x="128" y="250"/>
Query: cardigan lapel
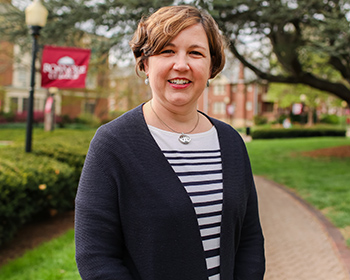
<point x="233" y="177"/>
<point x="172" y="191"/>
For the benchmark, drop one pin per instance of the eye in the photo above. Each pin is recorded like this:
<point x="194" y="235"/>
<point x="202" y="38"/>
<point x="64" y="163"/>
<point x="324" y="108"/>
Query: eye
<point x="168" y="51"/>
<point x="196" y="53"/>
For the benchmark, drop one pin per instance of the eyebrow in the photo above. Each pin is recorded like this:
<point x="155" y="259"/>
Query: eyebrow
<point x="192" y="46"/>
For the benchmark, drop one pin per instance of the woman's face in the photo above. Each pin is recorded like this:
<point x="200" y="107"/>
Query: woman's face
<point x="179" y="73"/>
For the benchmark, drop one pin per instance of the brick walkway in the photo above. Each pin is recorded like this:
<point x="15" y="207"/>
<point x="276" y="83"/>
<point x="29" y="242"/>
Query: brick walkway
<point x="299" y="246"/>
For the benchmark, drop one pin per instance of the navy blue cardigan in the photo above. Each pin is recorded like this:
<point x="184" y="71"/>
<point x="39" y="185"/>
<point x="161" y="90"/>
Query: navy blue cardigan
<point x="135" y="220"/>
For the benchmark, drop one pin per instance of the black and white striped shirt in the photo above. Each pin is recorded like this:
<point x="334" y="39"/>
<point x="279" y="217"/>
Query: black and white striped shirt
<point x="198" y="166"/>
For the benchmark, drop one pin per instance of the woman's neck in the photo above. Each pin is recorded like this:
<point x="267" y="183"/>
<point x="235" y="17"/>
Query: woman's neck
<point x="179" y="120"/>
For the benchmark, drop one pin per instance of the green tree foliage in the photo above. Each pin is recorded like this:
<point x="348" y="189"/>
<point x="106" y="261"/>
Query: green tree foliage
<point x="287" y="94"/>
<point x="278" y="40"/>
<point x="290" y="34"/>
<point x="100" y="25"/>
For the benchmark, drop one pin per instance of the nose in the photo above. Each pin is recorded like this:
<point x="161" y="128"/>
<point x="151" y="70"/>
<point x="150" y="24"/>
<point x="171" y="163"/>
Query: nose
<point x="181" y="63"/>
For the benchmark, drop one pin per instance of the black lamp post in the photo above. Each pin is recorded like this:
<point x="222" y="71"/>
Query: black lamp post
<point x="36" y="15"/>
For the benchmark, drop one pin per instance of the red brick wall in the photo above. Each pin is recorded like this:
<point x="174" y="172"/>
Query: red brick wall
<point x="6" y="63"/>
<point x="101" y="109"/>
<point x="71" y="106"/>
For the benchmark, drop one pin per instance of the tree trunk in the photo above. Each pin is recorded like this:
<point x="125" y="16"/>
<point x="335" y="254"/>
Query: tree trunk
<point x="310" y="117"/>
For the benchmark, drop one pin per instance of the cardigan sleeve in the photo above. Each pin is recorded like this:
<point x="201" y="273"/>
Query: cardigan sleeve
<point x="250" y="256"/>
<point x="98" y="234"/>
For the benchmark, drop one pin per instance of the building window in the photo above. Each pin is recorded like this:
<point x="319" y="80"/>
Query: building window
<point x="22" y="77"/>
<point x="14" y="104"/>
<point x="25" y="105"/>
<point x="219" y="108"/>
<point x="234" y="88"/>
<point x="267" y="107"/>
<point x="90" y="82"/>
<point x="249" y="106"/>
<point x="219" y="89"/>
<point x="37" y="106"/>
<point x="89" y="108"/>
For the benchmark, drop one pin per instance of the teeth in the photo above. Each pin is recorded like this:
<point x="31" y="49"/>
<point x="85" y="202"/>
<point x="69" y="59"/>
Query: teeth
<point x="179" y="82"/>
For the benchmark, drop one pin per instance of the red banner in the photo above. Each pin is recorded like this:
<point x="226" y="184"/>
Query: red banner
<point x="64" y="67"/>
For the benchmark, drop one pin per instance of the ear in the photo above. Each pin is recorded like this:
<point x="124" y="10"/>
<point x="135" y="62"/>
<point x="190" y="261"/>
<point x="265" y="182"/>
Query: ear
<point x="145" y="66"/>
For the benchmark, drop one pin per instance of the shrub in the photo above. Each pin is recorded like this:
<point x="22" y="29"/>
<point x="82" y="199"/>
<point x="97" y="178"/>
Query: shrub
<point x="259" y="120"/>
<point x="31" y="185"/>
<point x="302" y="118"/>
<point x="38" y="117"/>
<point x="7" y="117"/>
<point x="281" y="118"/>
<point x="64" y="153"/>
<point x="296" y="132"/>
<point x="88" y="119"/>
<point x="63" y="120"/>
<point x="42" y="182"/>
<point x="329" y="119"/>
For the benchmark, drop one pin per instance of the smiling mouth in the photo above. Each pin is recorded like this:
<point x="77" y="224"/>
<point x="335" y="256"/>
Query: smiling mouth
<point x="179" y="82"/>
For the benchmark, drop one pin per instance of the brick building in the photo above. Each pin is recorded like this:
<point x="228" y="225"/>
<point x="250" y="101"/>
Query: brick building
<point x="236" y="96"/>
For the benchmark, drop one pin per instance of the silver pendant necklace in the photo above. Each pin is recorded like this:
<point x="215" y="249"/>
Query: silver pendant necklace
<point x="184" y="138"/>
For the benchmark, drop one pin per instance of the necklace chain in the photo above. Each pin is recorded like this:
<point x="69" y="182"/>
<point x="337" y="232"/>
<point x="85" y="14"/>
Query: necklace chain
<point x="169" y="126"/>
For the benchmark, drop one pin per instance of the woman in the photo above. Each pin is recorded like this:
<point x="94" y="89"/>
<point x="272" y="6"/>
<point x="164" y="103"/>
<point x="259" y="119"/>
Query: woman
<point x="167" y="192"/>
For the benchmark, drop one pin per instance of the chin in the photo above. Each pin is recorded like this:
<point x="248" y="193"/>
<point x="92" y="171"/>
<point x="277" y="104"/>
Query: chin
<point x="179" y="101"/>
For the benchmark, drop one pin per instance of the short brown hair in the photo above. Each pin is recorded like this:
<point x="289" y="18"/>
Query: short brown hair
<point x="156" y="31"/>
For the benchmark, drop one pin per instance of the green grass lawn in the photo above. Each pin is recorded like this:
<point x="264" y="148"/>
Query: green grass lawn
<point x="53" y="260"/>
<point x="18" y="135"/>
<point x="324" y="182"/>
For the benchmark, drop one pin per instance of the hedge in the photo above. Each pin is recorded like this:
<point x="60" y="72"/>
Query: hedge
<point x="40" y="183"/>
<point x="64" y="153"/>
<point x="296" y="132"/>
<point x="31" y="185"/>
